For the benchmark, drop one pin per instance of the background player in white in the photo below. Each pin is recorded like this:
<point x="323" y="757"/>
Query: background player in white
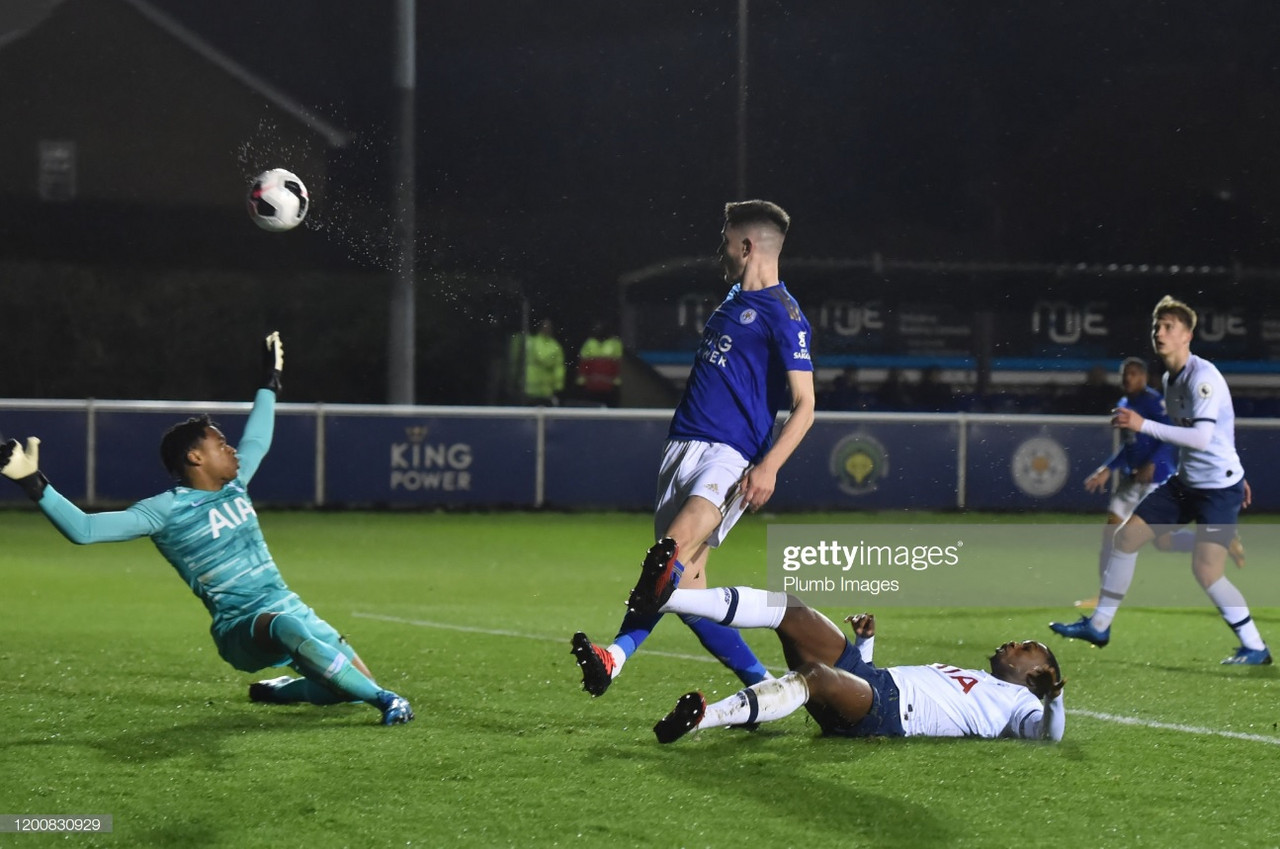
<point x="1142" y="463"/>
<point x="207" y="529"/>
<point x="1208" y="489"/>
<point x="720" y="457"/>
<point x="836" y="681"/>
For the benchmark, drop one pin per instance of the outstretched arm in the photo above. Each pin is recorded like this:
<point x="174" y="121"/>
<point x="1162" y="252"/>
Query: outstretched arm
<point x="22" y="466"/>
<point x="260" y="428"/>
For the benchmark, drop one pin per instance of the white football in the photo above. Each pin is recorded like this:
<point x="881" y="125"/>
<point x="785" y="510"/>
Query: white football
<point x="277" y="200"/>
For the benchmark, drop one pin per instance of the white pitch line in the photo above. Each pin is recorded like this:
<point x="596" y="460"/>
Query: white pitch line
<point x="1172" y="726"/>
<point x="495" y="632"/>
<point x="1103" y="717"/>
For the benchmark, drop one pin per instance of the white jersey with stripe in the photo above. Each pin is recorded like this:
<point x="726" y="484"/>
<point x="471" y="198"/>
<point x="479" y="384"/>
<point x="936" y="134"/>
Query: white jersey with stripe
<point x="946" y="701"/>
<point x="1197" y="394"/>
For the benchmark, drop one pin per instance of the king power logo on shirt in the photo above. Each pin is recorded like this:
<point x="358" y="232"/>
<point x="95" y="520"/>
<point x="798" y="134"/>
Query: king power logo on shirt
<point x="715" y="348"/>
<point x="417" y="464"/>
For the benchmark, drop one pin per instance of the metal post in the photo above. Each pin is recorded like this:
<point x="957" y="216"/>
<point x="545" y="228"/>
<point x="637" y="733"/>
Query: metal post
<point x="742" y="101"/>
<point x="401" y="349"/>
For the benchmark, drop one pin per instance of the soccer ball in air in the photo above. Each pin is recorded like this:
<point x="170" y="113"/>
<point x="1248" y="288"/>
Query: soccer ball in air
<point x="278" y="200"/>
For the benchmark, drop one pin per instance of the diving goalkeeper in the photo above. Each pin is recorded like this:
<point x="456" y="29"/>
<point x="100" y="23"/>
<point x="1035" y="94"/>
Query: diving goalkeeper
<point x="206" y="527"/>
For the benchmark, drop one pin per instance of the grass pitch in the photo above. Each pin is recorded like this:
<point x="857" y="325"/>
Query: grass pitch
<point x="114" y="701"/>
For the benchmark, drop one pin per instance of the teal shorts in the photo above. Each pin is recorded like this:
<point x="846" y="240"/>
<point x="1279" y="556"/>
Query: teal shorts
<point x="237" y="646"/>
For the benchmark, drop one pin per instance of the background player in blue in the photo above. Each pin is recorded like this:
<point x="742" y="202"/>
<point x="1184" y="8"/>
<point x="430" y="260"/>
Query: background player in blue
<point x="721" y="458"/>
<point x="1208" y="489"/>
<point x="206" y="527"/>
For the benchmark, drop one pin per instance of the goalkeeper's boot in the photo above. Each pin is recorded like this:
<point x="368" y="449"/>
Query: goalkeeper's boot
<point x="596" y="663"/>
<point x="1082" y="630"/>
<point x="659" y="575"/>
<point x="268" y="691"/>
<point x="1249" y="657"/>
<point x="395" y="710"/>
<point x="684" y="717"/>
<point x="1235" y="550"/>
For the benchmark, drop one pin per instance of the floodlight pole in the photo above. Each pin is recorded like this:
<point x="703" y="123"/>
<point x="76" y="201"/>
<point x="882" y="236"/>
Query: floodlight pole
<point x="401" y="348"/>
<point x="742" y="101"/>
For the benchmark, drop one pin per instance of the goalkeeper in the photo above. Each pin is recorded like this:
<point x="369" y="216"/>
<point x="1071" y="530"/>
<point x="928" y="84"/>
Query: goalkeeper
<point x="835" y="680"/>
<point x="206" y="527"/>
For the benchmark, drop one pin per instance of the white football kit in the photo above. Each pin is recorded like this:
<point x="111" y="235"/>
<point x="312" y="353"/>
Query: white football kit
<point x="1203" y="426"/>
<point x="946" y="701"/>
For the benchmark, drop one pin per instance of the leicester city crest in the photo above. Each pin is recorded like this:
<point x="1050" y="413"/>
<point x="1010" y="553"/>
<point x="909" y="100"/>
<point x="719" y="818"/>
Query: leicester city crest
<point x="1040" y="466"/>
<point x="858" y="463"/>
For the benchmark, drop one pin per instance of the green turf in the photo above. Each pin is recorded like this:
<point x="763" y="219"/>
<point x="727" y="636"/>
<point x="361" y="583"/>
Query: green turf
<point x="114" y="701"/>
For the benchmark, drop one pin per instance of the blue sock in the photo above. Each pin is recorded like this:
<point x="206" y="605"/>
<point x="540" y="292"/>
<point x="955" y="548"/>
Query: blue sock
<point x="728" y="647"/>
<point x="635" y="629"/>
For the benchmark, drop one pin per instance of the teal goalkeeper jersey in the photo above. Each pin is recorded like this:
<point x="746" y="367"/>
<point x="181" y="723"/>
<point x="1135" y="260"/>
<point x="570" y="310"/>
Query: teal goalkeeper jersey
<point x="212" y="539"/>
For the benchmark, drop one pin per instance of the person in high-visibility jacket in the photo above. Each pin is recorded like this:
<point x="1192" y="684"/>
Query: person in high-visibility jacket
<point x="543" y="366"/>
<point x="600" y="367"/>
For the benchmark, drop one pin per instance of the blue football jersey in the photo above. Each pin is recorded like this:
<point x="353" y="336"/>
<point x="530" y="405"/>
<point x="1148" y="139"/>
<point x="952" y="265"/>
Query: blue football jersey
<point x="739" y="378"/>
<point x="1138" y="449"/>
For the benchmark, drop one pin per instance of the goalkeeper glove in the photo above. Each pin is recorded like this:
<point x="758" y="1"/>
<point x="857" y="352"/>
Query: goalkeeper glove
<point x="272" y="361"/>
<point x="23" y="466"/>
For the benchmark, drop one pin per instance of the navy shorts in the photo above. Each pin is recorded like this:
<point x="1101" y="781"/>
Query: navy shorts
<point x="885" y="718"/>
<point x="1214" y="511"/>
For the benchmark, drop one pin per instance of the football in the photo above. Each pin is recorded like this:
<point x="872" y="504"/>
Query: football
<point x="277" y="200"/>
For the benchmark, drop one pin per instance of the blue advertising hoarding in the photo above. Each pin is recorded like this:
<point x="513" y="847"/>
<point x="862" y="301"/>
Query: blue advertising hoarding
<point x="449" y="460"/>
<point x="62" y="449"/>
<point x="1036" y="464"/>
<point x="864" y="463"/>
<point x="575" y="459"/>
<point x="601" y="461"/>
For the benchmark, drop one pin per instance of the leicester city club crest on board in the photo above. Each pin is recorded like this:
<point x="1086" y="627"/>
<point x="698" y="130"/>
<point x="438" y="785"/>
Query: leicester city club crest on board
<point x="1040" y="466"/>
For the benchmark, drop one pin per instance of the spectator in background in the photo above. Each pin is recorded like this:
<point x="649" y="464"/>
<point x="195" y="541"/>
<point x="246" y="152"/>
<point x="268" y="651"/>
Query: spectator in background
<point x="933" y="394"/>
<point x="893" y="393"/>
<point x="1091" y="397"/>
<point x="600" y="367"/>
<point x="844" y="393"/>
<point x="540" y="360"/>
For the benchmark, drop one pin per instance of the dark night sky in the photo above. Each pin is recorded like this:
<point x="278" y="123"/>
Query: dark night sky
<point x="569" y="142"/>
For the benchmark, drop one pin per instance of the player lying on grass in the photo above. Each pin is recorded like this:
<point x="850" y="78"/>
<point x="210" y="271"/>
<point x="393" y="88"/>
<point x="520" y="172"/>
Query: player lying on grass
<point x="835" y="680"/>
<point x="206" y="527"/>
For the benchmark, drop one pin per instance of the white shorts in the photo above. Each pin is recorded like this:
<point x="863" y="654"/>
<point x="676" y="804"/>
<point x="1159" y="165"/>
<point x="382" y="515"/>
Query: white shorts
<point x="711" y="470"/>
<point x="1127" y="496"/>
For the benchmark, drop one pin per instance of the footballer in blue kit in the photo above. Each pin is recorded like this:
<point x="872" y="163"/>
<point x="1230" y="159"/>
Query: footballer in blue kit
<point x="721" y="457"/>
<point x="207" y="528"/>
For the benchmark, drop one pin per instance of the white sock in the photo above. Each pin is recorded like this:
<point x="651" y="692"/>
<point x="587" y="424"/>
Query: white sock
<point x="1235" y="610"/>
<point x="766" y="701"/>
<point x="619" y="658"/>
<point x="866" y="647"/>
<point x="1115" y="583"/>
<point x="738" y="607"/>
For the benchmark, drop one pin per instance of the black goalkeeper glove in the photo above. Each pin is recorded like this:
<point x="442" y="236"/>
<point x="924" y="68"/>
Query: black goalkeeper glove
<point x="23" y="466"/>
<point x="272" y="362"/>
